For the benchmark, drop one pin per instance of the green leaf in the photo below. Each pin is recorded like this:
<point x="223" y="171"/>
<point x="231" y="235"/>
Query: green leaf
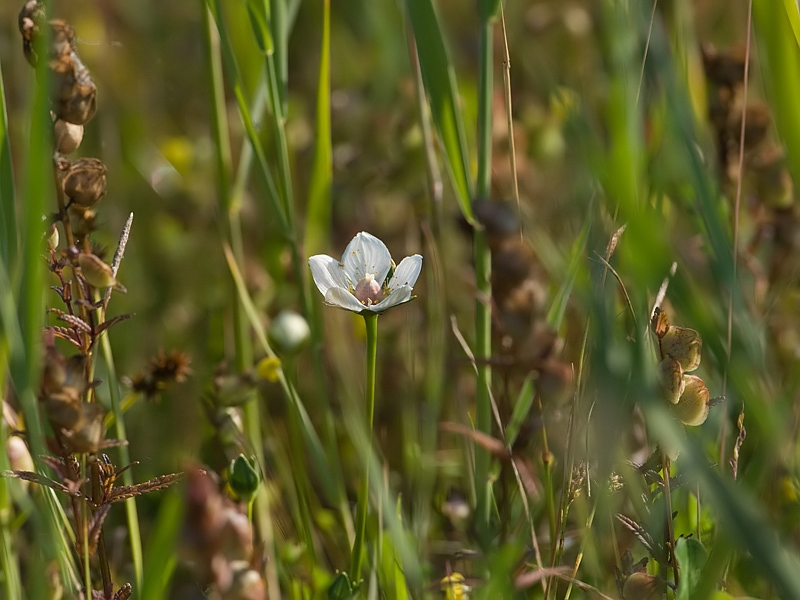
<point x="692" y="557"/>
<point x="439" y="80"/>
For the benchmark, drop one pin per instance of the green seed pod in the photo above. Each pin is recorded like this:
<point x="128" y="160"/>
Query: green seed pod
<point x="288" y="332"/>
<point x="97" y="273"/>
<point x="684" y="345"/>
<point x="692" y="408"/>
<point x="243" y="477"/>
<point x="670" y="377"/>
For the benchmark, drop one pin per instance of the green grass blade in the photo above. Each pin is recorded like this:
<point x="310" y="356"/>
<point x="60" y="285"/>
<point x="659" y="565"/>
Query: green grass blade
<point x="8" y="218"/>
<point x="160" y="554"/>
<point x="318" y="210"/>
<point x="781" y="63"/>
<point x="274" y="201"/>
<point x="793" y="14"/>
<point x="440" y="84"/>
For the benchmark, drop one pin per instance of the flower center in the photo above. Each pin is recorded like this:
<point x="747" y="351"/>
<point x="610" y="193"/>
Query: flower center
<point x="368" y="291"/>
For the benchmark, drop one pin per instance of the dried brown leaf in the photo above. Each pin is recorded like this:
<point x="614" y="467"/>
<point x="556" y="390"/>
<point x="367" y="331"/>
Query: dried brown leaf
<point x="151" y="485"/>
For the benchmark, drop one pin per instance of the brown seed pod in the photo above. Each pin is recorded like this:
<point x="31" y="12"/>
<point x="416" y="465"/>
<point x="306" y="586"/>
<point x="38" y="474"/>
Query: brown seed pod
<point x="67" y="136"/>
<point x="641" y="586"/>
<point x="74" y="92"/>
<point x="63" y="408"/>
<point x="692" y="408"/>
<point x="82" y="221"/>
<point x="29" y="20"/>
<point x="85" y="182"/>
<point x="88" y="436"/>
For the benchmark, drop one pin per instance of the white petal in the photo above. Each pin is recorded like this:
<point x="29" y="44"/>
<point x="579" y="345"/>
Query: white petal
<point x="406" y="272"/>
<point x="366" y="254"/>
<point x="327" y="273"/>
<point x="343" y="299"/>
<point x="395" y="297"/>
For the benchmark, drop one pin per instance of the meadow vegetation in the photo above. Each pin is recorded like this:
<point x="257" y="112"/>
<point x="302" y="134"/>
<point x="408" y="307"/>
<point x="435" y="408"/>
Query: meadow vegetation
<point x="582" y="382"/>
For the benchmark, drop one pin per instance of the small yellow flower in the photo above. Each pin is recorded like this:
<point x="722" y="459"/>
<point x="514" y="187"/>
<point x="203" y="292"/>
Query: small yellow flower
<point x="454" y="587"/>
<point x="269" y="369"/>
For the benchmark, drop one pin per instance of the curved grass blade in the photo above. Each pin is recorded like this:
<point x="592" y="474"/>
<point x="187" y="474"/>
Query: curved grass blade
<point x="439" y="80"/>
<point x="8" y="219"/>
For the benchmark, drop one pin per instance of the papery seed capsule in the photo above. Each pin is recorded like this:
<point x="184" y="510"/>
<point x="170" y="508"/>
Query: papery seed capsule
<point x="684" y="345"/>
<point x="85" y="182"/>
<point x="74" y="92"/>
<point x="670" y="378"/>
<point x="63" y="408"/>
<point x="692" y="408"/>
<point x="92" y="430"/>
<point x="247" y="584"/>
<point x="97" y="273"/>
<point x="68" y="136"/>
<point x="82" y="221"/>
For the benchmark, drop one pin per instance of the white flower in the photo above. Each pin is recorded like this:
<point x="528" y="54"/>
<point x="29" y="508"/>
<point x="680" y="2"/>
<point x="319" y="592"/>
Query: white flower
<point x="358" y="282"/>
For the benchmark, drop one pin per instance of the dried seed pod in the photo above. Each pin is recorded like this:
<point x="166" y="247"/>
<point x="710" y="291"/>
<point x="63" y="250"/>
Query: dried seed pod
<point x="692" y="408"/>
<point x="670" y="377"/>
<point x="74" y="92"/>
<point x="89" y="435"/>
<point x="641" y="586"/>
<point x="247" y="584"/>
<point x="68" y="136"/>
<point x="64" y="409"/>
<point x="29" y="20"/>
<point x="684" y="345"/>
<point x="85" y="182"/>
<point x="82" y="221"/>
<point x="97" y="273"/>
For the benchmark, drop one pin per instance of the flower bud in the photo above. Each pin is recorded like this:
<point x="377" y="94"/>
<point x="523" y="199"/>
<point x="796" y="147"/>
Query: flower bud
<point x="243" y="477"/>
<point x="692" y="408"/>
<point x="670" y="378"/>
<point x="68" y="136"/>
<point x="97" y="273"/>
<point x="684" y="345"/>
<point x="288" y="332"/>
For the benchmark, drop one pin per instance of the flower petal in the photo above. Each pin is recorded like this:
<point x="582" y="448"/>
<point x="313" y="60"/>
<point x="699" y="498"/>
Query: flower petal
<point x="406" y="272"/>
<point x="327" y="273"/>
<point x="341" y="298"/>
<point x="366" y="254"/>
<point x="395" y="297"/>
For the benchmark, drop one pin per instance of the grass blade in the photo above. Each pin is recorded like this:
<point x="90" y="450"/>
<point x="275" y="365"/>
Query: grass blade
<point x="440" y="83"/>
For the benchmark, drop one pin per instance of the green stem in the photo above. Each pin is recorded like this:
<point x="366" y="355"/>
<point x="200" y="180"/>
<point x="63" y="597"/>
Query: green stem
<point x="371" y="322"/>
<point x="483" y="274"/>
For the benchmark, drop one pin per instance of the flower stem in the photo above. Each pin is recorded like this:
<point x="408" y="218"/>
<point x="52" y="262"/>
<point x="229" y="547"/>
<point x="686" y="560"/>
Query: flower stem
<point x="371" y="322"/>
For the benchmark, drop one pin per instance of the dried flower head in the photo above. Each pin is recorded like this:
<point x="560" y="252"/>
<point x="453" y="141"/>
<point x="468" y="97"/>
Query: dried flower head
<point x="160" y="372"/>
